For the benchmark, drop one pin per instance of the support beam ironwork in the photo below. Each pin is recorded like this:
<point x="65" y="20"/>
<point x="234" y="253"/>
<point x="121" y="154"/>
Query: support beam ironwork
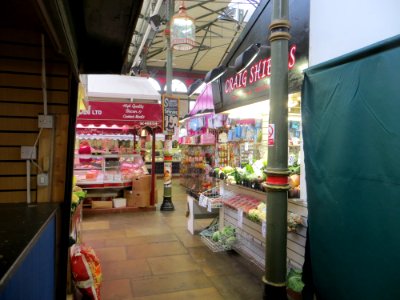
<point x="198" y="50"/>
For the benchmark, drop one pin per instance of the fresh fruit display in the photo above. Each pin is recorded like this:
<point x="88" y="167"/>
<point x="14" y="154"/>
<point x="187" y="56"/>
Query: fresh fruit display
<point x="77" y="196"/>
<point x="294" y="182"/>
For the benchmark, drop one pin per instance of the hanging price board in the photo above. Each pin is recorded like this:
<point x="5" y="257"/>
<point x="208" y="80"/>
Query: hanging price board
<point x="170" y="110"/>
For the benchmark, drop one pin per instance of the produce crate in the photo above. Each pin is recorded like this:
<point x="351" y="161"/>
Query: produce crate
<point x="141" y="183"/>
<point x="212" y="199"/>
<point x="251" y="243"/>
<point x="214" y="246"/>
<point x="102" y="204"/>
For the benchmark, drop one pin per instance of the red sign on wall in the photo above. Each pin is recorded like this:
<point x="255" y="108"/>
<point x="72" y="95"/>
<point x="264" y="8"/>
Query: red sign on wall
<point x="122" y="114"/>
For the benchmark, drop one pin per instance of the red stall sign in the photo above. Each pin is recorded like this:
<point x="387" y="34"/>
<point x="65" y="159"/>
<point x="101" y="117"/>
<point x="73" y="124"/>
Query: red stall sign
<point x="121" y="114"/>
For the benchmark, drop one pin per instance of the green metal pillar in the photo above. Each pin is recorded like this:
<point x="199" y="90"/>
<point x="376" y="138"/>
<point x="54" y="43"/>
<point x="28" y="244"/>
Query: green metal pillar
<point x="277" y="170"/>
<point x="168" y="70"/>
<point x="167" y="204"/>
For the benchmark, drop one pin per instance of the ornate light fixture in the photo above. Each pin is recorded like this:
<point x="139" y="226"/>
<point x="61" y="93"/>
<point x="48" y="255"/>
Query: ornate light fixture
<point x="183" y="30"/>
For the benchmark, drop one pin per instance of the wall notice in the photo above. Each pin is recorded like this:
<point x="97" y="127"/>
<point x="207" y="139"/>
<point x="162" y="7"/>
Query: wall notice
<point x="271" y="134"/>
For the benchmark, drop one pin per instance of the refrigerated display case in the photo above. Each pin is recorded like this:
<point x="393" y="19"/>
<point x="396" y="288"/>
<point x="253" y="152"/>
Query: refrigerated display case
<point x="107" y="170"/>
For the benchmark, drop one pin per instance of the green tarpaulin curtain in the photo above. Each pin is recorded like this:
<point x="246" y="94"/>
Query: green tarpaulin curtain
<point x="351" y="130"/>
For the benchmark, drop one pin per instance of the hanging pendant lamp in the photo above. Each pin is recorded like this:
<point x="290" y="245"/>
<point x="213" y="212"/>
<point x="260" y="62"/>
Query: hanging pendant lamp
<point x="183" y="30"/>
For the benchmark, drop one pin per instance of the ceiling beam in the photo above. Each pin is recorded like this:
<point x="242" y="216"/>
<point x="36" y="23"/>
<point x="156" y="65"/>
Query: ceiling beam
<point x="198" y="50"/>
<point x="210" y="13"/>
<point x="225" y="28"/>
<point x="232" y="40"/>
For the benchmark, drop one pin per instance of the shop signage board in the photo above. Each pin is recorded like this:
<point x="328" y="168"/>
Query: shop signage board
<point x="253" y="84"/>
<point x="170" y="110"/>
<point x="121" y="114"/>
<point x="235" y="89"/>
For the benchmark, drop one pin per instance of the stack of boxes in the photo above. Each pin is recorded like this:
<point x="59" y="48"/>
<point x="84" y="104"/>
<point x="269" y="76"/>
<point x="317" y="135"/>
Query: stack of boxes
<point x="139" y="196"/>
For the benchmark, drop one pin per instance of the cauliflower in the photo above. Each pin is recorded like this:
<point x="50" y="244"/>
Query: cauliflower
<point x="262" y="206"/>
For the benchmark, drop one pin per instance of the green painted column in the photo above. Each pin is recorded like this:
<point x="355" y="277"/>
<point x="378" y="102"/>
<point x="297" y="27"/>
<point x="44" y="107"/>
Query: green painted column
<point x="167" y="204"/>
<point x="277" y="170"/>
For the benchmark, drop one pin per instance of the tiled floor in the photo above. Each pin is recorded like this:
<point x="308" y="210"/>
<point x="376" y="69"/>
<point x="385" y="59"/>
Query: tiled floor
<point x="152" y="256"/>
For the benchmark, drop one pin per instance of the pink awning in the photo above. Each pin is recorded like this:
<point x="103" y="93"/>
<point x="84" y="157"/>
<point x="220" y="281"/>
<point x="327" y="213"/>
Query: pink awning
<point x="204" y="101"/>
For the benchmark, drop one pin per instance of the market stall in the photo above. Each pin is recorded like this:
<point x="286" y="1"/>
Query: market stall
<point x="198" y="144"/>
<point x="243" y="136"/>
<point x="122" y="111"/>
<point x="106" y="158"/>
<point x="198" y="156"/>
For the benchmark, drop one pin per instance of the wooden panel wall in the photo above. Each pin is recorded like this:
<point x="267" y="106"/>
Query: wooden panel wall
<point x="21" y="101"/>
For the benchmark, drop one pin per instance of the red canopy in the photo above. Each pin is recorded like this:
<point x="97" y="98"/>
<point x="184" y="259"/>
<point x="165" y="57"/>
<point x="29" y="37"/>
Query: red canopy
<point x="114" y="115"/>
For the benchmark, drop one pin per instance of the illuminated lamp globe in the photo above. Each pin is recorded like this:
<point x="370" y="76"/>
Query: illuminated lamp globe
<point x="183" y="30"/>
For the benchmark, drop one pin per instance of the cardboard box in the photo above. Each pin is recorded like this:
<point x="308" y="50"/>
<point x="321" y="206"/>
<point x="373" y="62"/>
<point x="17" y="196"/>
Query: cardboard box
<point x="131" y="201"/>
<point x="141" y="183"/>
<point x="143" y="198"/>
<point x="137" y="199"/>
<point x="102" y="204"/>
<point x="119" y="202"/>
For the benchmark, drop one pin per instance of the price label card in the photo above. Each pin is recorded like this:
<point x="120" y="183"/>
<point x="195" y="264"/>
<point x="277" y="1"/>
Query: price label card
<point x="246" y="146"/>
<point x="240" y="218"/>
<point x="264" y="229"/>
<point x="202" y="200"/>
<point x="205" y="201"/>
<point x="250" y="156"/>
<point x="209" y="208"/>
<point x="221" y="190"/>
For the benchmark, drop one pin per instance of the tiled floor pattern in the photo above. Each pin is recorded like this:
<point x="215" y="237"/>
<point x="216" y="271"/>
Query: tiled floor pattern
<point x="152" y="256"/>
